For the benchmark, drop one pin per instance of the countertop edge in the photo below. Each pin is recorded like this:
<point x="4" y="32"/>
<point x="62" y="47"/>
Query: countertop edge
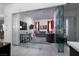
<point x="74" y="45"/>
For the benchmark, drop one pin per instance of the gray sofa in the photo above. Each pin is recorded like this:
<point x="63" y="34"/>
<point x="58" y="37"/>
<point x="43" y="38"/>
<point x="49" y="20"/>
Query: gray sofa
<point x="41" y="34"/>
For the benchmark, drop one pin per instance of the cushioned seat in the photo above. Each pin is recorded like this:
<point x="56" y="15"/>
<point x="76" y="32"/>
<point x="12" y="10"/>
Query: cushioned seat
<point x="41" y="34"/>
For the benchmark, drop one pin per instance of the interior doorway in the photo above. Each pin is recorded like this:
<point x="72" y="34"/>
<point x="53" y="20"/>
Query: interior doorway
<point x="36" y="26"/>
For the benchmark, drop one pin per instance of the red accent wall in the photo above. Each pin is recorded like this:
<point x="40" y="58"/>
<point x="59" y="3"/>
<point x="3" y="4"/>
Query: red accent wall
<point x="48" y="26"/>
<point x="52" y="24"/>
<point x="38" y="26"/>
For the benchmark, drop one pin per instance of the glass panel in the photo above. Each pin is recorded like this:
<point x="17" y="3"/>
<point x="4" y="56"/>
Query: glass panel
<point x="1" y="29"/>
<point x="60" y="28"/>
<point x="16" y="26"/>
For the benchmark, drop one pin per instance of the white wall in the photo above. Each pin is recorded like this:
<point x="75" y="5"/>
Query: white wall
<point x="1" y="11"/>
<point x="72" y="27"/>
<point x="2" y="7"/>
<point x="14" y="8"/>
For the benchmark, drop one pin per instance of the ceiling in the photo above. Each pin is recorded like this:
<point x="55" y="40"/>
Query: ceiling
<point x="67" y="7"/>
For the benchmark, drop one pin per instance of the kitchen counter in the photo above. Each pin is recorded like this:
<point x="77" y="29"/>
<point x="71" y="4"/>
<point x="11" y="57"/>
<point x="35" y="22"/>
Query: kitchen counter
<point x="74" y="45"/>
<point x="74" y="48"/>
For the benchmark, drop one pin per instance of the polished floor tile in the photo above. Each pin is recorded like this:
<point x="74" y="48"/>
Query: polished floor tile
<point x="32" y="49"/>
<point x="36" y="48"/>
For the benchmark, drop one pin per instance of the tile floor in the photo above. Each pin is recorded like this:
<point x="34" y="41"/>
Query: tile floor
<point x="38" y="49"/>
